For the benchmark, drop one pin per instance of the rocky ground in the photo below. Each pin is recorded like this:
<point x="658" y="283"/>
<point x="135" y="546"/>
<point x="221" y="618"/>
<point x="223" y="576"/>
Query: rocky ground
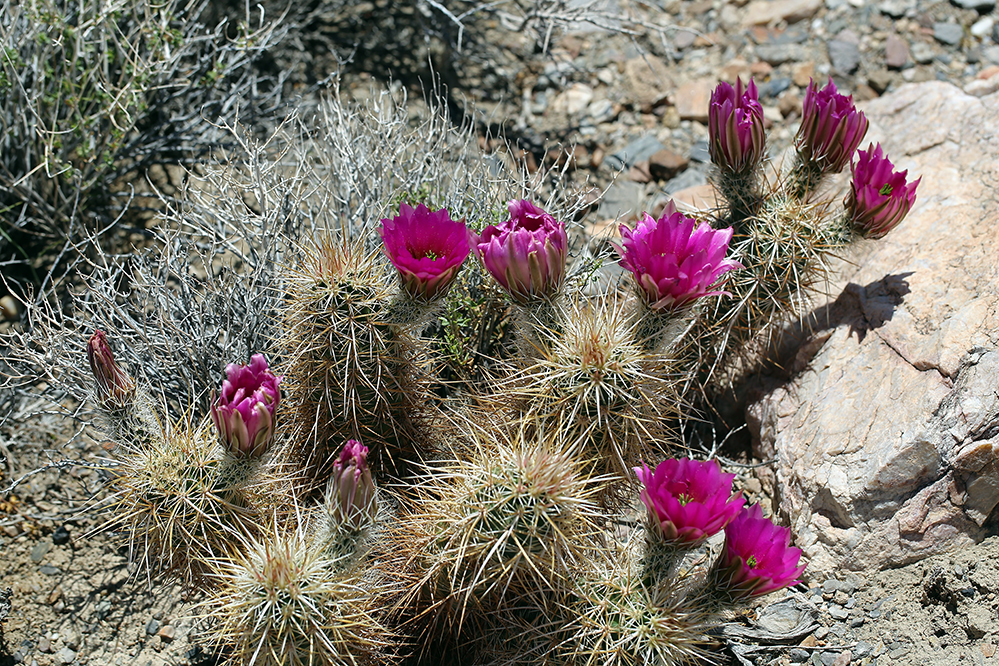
<point x="626" y="115"/>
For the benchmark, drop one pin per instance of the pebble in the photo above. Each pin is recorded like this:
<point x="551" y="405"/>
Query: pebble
<point x="948" y="33"/>
<point x="982" y="26"/>
<point x="991" y="53"/>
<point x="664" y="164"/>
<point x="66" y="656"/>
<point x="152" y="626"/>
<point x="45" y="645"/>
<point x="838" y="613"/>
<point x="693" y="98"/>
<point x="862" y="649"/>
<point x="977" y="5"/>
<point x="798" y="655"/>
<point x="845" y="56"/>
<point x="896" y="52"/>
<point x="921" y="52"/>
<point x="601" y="111"/>
<point x="778" y="54"/>
<point x="40" y="549"/>
<point x="640" y="149"/>
<point x="167" y="633"/>
<point x="10" y="310"/>
<point x="49" y="570"/>
<point x="61" y="536"/>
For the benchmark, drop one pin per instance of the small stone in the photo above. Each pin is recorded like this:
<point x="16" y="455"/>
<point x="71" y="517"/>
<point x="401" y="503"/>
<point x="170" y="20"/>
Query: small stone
<point x="12" y="530"/>
<point x="895" y="8"/>
<point x="167" y="633"/>
<point x="49" y="570"/>
<point x="45" y="645"/>
<point x="982" y="26"/>
<point x="862" y="649"/>
<point x="10" y="310"/>
<point x="573" y="100"/>
<point x="61" y="536"/>
<point x="700" y="152"/>
<point x="948" y="33"/>
<point x="838" y="613"/>
<point x="828" y="658"/>
<point x="821" y="633"/>
<point x="775" y="86"/>
<point x="763" y="12"/>
<point x="693" y="98"/>
<point x="879" y="80"/>
<point x="72" y="639"/>
<point x="40" y="549"/>
<point x="789" y="104"/>
<point x="988" y="650"/>
<point x="991" y="53"/>
<point x="843" y="659"/>
<point x="66" y="656"/>
<point x="601" y="111"/>
<point x="802" y="73"/>
<point x="896" y="52"/>
<point x="777" y="54"/>
<point x="152" y="626"/>
<point x="995" y="32"/>
<point x="636" y="151"/>
<point x="639" y="172"/>
<point x="921" y="52"/>
<point x="798" y="655"/>
<point x="809" y="641"/>
<point x="856" y="622"/>
<point x="978" y="5"/>
<point x="55" y="595"/>
<point x="671" y="117"/>
<point x="665" y="164"/>
<point x="844" y="55"/>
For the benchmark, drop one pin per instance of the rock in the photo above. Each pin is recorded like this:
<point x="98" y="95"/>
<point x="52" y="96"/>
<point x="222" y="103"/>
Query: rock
<point x="803" y="73"/>
<point x="167" y="633"/>
<point x="896" y="8"/>
<point x="66" y="656"/>
<point x="664" y="164"/>
<point x="978" y="5"/>
<point x="896" y="52"/>
<point x="648" y="80"/>
<point x="775" y="86"/>
<point x="601" y="111"/>
<point x="573" y="100"/>
<point x="884" y="444"/>
<point x="61" y="536"/>
<point x="980" y="88"/>
<point x="623" y="200"/>
<point x="39" y="550"/>
<point x="763" y="12"/>
<point x="948" y="33"/>
<point x="152" y="626"/>
<point x="778" y="54"/>
<point x="640" y="172"/>
<point x="10" y="309"/>
<point x="991" y="54"/>
<point x="640" y="149"/>
<point x="693" y="98"/>
<point x="844" y="55"/>
<point x="879" y="80"/>
<point x="789" y="104"/>
<point x="922" y="52"/>
<point x="982" y="26"/>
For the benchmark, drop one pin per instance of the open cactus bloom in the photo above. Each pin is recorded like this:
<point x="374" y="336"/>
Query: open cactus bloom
<point x="115" y="388"/>
<point x="675" y="260"/>
<point x="879" y="197"/>
<point x="426" y="247"/>
<point x="688" y="500"/>
<point x="350" y="497"/>
<point x="758" y="557"/>
<point x="526" y="254"/>
<point x="735" y="127"/>
<point x="244" y="413"/>
<point x="831" y="128"/>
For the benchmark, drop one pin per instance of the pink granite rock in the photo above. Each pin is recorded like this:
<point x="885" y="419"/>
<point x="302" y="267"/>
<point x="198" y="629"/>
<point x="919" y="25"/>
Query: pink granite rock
<point x="886" y="437"/>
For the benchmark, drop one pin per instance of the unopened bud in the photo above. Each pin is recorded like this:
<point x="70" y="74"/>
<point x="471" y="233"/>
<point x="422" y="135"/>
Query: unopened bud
<point x="244" y="414"/>
<point x="115" y="389"/>
<point x="351" y="493"/>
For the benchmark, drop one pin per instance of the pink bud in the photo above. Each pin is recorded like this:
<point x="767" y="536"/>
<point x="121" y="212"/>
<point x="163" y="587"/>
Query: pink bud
<point x="735" y="127"/>
<point x="115" y="389"/>
<point x="351" y="493"/>
<point x="526" y="254"/>
<point x="879" y="197"/>
<point x="244" y="413"/>
<point x="831" y="128"/>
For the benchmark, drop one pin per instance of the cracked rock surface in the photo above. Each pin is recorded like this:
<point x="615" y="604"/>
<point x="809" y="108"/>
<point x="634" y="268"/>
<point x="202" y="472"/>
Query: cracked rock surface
<point x="886" y="439"/>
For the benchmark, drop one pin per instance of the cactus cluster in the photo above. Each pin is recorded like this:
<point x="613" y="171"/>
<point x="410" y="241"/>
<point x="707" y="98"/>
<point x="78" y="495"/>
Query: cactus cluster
<point x="349" y="511"/>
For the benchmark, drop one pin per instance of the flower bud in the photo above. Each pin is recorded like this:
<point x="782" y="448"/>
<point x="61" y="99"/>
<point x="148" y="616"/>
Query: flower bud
<point x="115" y="389"/>
<point x="735" y="127"/>
<point x="526" y="254"/>
<point x="879" y="197"/>
<point x="831" y="128"/>
<point x="350" y="496"/>
<point x="244" y="413"/>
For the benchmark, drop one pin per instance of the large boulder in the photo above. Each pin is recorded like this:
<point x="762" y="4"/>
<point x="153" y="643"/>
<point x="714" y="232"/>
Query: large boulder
<point x="886" y="436"/>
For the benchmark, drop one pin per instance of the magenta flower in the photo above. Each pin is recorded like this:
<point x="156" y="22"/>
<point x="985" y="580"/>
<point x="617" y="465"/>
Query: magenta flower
<point x="351" y="492"/>
<point x="427" y="247"/>
<point x="758" y="557"/>
<point x="244" y="413"/>
<point x="688" y="499"/>
<point x="115" y="389"/>
<point x="879" y="197"/>
<point x="526" y="254"/>
<point x="673" y="262"/>
<point x="831" y="128"/>
<point x="735" y="127"/>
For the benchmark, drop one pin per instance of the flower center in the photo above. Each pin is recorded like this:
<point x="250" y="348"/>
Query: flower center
<point x="429" y="254"/>
<point x="683" y="498"/>
<point x="751" y="562"/>
<point x="885" y="190"/>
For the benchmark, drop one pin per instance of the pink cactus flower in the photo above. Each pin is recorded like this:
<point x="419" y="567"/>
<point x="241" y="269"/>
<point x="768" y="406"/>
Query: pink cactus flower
<point x="879" y="197"/>
<point x="735" y="127"/>
<point x="351" y="493"/>
<point x="688" y="499"/>
<point x="673" y="262"/>
<point x="115" y="388"/>
<point x="758" y="557"/>
<point x="831" y="128"/>
<point x="244" y="413"/>
<point x="526" y="254"/>
<point x="427" y="247"/>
